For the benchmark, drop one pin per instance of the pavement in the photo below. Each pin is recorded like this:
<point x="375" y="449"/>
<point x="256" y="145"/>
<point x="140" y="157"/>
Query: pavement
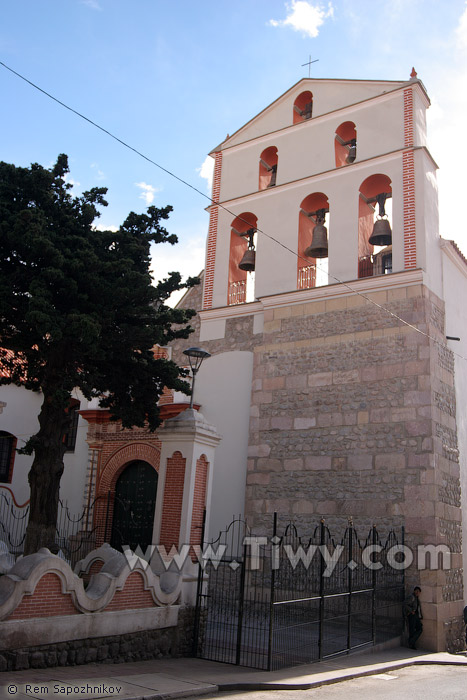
<point x="163" y="679"/>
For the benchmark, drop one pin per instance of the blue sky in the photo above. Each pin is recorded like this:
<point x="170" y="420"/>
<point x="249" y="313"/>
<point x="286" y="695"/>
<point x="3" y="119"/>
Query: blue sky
<point x="173" y="78"/>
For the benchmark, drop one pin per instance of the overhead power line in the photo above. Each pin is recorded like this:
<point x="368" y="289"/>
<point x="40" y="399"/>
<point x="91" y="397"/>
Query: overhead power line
<point x="221" y="206"/>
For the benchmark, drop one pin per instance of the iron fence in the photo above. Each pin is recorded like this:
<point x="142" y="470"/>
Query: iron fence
<point x="76" y="534"/>
<point x="277" y="601"/>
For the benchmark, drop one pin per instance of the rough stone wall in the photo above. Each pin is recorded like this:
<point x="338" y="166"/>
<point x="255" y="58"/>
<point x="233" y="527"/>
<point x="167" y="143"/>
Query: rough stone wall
<point x="341" y="409"/>
<point x="193" y="299"/>
<point x="353" y="414"/>
<point x="151" y="644"/>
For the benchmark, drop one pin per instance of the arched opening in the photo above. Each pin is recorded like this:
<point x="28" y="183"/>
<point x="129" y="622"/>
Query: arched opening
<point x="268" y="168"/>
<point x="311" y="272"/>
<point x="374" y="197"/>
<point x="7" y="456"/>
<point x="303" y="107"/>
<point x="241" y="282"/>
<point x="134" y="505"/>
<point x="345" y="144"/>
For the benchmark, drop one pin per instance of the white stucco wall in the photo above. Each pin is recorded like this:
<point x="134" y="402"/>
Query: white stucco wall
<point x="222" y="386"/>
<point x="277" y="211"/>
<point x="455" y="291"/>
<point x="328" y="96"/>
<point x="19" y="417"/>
<point x="307" y="149"/>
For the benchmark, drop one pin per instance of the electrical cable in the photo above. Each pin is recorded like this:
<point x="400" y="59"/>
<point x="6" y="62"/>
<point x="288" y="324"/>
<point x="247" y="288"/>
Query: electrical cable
<point x="214" y="202"/>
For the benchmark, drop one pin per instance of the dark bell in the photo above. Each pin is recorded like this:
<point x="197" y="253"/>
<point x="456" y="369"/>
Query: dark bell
<point x="352" y="154"/>
<point x="247" y="263"/>
<point x="381" y="234"/>
<point x="319" y="243"/>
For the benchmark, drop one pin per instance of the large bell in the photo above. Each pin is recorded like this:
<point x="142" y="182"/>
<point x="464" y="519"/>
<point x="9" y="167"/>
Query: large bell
<point x="247" y="263"/>
<point x="319" y="243"/>
<point x="381" y="234"/>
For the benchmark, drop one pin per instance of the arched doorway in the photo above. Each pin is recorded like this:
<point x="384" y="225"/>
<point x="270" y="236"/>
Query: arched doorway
<point x="135" y="501"/>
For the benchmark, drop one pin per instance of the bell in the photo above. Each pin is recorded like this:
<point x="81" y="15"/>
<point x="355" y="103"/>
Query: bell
<point x="247" y="263"/>
<point x="319" y="243"/>
<point x="381" y="234"/>
<point x="352" y="154"/>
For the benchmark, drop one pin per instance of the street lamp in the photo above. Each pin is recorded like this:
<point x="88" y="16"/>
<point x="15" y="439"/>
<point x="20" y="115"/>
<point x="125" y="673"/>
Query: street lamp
<point x="195" y="358"/>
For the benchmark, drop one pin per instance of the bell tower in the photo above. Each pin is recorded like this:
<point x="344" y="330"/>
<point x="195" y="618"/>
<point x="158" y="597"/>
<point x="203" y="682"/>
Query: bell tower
<point x="342" y="156"/>
<point x="328" y="304"/>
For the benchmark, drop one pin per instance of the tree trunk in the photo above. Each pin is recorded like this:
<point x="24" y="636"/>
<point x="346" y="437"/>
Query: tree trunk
<point x="45" y="474"/>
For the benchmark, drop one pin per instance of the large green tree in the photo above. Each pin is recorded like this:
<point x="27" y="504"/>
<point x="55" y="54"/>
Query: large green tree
<point x="78" y="308"/>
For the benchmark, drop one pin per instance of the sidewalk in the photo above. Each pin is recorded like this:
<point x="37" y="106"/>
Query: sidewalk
<point x="174" y="678"/>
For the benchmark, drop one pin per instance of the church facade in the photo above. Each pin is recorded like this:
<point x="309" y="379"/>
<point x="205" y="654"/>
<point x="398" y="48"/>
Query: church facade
<point x="329" y="298"/>
<point x="334" y="390"/>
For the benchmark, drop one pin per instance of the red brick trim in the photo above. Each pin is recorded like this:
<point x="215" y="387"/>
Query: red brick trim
<point x="118" y="461"/>
<point x="408" y="118"/>
<point x="133" y="596"/>
<point x="173" y="500"/>
<point x="47" y="600"/>
<point x="199" y="499"/>
<point x="212" y="234"/>
<point x="408" y="184"/>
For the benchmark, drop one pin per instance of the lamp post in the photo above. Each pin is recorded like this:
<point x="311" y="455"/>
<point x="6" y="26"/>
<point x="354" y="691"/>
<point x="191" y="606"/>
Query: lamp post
<point x="195" y="358"/>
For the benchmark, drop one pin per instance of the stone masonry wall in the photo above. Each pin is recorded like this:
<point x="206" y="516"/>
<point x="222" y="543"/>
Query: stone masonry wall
<point x="353" y="415"/>
<point x="138" y="646"/>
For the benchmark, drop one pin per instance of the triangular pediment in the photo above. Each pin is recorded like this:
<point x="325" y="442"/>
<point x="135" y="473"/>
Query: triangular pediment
<point x="329" y="95"/>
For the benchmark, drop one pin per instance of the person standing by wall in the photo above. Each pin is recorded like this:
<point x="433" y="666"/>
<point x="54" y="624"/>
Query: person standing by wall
<point x="413" y="615"/>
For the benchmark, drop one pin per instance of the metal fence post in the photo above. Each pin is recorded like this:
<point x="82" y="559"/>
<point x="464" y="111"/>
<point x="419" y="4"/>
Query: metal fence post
<point x="240" y="607"/>
<point x="349" y="577"/>
<point x="272" y="596"/>
<point x="199" y="587"/>
<point x="374" y="538"/>
<point x="322" y="538"/>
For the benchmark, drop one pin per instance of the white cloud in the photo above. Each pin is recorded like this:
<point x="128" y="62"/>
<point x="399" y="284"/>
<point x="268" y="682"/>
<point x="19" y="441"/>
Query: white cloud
<point x="99" y="174"/>
<point x="69" y="180"/>
<point x="93" y="4"/>
<point x="461" y="32"/>
<point x="103" y="227"/>
<point x="147" y="192"/>
<point x="304" y="17"/>
<point x="445" y="122"/>
<point x="207" y="171"/>
<point x="186" y="257"/>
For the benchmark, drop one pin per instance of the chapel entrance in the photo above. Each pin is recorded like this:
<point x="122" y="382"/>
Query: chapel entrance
<point x="134" y="505"/>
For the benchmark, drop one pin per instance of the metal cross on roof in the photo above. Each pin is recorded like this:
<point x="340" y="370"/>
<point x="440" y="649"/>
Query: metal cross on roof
<point x="309" y="65"/>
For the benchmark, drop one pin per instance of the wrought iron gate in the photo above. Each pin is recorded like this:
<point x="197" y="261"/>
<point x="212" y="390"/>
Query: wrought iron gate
<point x="282" y="600"/>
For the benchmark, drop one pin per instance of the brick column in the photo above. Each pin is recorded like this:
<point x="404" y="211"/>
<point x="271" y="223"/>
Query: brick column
<point x="188" y="445"/>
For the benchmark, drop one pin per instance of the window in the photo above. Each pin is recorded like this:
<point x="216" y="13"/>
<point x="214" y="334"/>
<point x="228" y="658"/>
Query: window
<point x="7" y="456"/>
<point x="70" y="435"/>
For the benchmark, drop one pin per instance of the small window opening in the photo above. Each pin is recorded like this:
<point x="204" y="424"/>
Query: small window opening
<point x="7" y="456"/>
